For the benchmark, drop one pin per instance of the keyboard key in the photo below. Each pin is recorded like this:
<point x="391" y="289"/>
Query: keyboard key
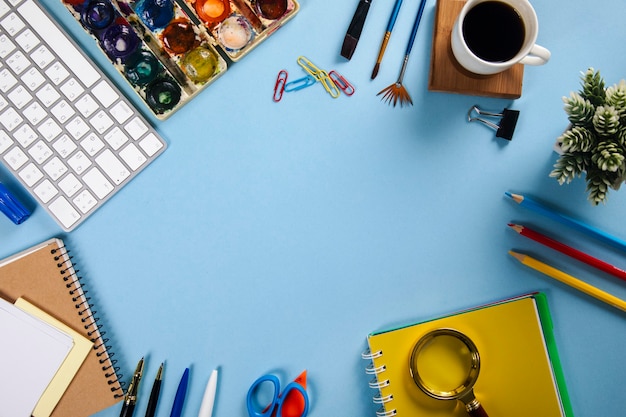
<point x="6" y="46"/>
<point x="112" y="166"/>
<point x="45" y="191"/>
<point x="62" y="111"/>
<point x="104" y="93"/>
<point x="12" y="24"/>
<point x="92" y="144"/>
<point x="34" y="113"/>
<point x="98" y="183"/>
<point x="79" y="162"/>
<point x="33" y="78"/>
<point x="121" y="112"/>
<point x="20" y="96"/>
<point x="25" y="135"/>
<point x="31" y="174"/>
<point x="77" y="128"/>
<point x="64" y="146"/>
<point x="136" y="128"/>
<point x="55" y="168"/>
<point x="116" y="138"/>
<point x="48" y="95"/>
<point x="18" y="62"/>
<point x="40" y="152"/>
<point x="10" y="119"/>
<point x="15" y="158"/>
<point x="87" y="106"/>
<point x="7" y="80"/>
<point x="72" y="89"/>
<point x="27" y="40"/>
<point x="64" y="211"/>
<point x="70" y="185"/>
<point x="5" y="142"/>
<point x="57" y="73"/>
<point x="133" y="156"/>
<point x="42" y="56"/>
<point x="85" y="201"/>
<point x="150" y="144"/>
<point x="49" y="129"/>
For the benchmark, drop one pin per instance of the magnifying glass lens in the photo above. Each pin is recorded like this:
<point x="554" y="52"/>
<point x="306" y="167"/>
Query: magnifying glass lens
<point x="444" y="364"/>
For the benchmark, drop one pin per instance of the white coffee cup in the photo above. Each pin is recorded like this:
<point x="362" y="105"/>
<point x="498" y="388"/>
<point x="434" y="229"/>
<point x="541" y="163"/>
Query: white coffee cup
<point x="524" y="51"/>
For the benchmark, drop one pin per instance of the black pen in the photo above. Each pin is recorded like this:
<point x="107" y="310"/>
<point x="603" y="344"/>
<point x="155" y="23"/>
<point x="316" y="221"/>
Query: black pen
<point x="154" y="394"/>
<point x="130" y="399"/>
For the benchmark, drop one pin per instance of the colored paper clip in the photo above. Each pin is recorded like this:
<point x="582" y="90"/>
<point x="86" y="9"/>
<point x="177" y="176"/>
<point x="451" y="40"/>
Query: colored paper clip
<point x="300" y="83"/>
<point x="279" y="87"/>
<point x="320" y="75"/>
<point x="505" y="128"/>
<point x="341" y="83"/>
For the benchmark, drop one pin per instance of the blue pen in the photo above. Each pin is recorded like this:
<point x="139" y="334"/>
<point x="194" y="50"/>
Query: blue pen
<point x="11" y="207"/>
<point x="179" y="400"/>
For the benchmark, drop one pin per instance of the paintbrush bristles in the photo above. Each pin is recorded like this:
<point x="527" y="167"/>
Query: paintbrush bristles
<point x="396" y="93"/>
<point x="381" y="53"/>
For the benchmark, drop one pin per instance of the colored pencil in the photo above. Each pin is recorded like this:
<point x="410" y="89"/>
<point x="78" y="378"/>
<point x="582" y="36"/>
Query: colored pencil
<point x="570" y="280"/>
<point x="569" y="251"/>
<point x="568" y="221"/>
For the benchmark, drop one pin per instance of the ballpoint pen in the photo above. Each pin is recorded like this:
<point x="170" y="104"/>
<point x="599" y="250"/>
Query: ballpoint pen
<point x="154" y="394"/>
<point x="130" y="399"/>
<point x="206" y="407"/>
<point x="179" y="399"/>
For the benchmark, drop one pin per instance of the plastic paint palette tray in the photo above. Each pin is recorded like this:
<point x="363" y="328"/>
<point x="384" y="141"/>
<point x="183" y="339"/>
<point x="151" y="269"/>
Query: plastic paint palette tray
<point x="170" y="50"/>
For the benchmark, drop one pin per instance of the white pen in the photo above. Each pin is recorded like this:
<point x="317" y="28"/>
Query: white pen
<point x="206" y="408"/>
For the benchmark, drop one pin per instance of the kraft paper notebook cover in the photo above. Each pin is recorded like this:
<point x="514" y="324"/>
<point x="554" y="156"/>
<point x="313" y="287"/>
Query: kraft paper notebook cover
<point x="45" y="276"/>
<point x="520" y="373"/>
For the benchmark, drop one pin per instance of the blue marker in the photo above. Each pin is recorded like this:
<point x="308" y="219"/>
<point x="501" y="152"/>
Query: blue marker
<point x="11" y="207"/>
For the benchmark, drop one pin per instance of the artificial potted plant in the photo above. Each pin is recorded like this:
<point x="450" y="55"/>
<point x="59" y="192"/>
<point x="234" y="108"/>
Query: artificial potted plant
<point x="594" y="143"/>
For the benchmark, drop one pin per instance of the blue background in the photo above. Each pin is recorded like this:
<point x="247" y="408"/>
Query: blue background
<point x="273" y="237"/>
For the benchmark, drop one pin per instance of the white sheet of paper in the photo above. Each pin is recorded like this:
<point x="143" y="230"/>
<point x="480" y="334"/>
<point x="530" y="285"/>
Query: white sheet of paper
<point x="31" y="352"/>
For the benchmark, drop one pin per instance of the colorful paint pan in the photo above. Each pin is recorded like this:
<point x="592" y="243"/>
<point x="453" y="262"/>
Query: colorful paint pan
<point x="271" y="9"/>
<point x="119" y="41"/>
<point x="212" y="11"/>
<point x="200" y="64"/>
<point x="142" y="68"/>
<point x="155" y="14"/>
<point x="179" y="36"/>
<point x="97" y="14"/>
<point x="234" y="33"/>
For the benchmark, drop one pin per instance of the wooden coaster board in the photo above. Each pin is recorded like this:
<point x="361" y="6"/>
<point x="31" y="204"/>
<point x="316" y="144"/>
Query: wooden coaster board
<point x="446" y="75"/>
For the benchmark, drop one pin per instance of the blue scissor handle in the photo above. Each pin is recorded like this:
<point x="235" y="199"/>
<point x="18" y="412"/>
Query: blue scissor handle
<point x="278" y="399"/>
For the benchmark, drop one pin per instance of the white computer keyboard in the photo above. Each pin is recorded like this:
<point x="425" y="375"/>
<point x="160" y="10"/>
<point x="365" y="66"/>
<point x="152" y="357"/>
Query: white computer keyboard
<point x="66" y="132"/>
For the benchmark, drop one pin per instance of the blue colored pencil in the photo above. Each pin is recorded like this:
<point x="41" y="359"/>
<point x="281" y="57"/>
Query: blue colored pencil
<point x="568" y="221"/>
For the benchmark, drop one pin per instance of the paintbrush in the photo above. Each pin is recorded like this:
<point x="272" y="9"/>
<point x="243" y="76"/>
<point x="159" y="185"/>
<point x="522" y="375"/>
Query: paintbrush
<point x="383" y="46"/>
<point x="355" y="29"/>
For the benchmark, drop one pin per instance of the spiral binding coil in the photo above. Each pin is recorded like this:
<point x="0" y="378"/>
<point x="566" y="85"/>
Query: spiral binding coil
<point x="74" y="285"/>
<point x="377" y="383"/>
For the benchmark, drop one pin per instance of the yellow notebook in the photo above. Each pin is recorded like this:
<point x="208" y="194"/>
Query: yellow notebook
<point x="520" y="373"/>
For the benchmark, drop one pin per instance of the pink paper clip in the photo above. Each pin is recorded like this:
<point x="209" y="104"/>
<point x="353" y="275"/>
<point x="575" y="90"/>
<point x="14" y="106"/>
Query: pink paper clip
<point x="279" y="87"/>
<point x="341" y="82"/>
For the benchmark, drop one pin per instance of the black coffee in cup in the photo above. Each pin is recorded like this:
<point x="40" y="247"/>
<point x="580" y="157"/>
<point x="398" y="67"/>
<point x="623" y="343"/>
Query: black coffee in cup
<point x="494" y="31"/>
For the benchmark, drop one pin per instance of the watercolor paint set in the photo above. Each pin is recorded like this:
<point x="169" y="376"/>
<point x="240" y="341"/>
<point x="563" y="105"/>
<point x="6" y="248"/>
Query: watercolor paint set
<point x="170" y="50"/>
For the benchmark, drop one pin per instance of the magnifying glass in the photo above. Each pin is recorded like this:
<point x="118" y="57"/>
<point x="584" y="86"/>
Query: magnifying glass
<point x="445" y="365"/>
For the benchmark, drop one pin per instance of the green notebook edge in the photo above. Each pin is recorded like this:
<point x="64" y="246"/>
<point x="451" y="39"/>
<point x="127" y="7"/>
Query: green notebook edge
<point x="547" y="326"/>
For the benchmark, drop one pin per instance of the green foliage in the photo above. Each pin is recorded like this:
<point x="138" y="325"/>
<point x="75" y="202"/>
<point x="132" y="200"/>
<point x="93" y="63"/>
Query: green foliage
<point x="595" y="143"/>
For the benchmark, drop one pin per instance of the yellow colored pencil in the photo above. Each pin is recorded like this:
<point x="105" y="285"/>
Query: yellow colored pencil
<point x="570" y="280"/>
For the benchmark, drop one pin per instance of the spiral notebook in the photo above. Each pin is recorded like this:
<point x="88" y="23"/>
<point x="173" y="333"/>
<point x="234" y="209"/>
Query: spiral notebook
<point x="520" y="373"/>
<point x="46" y="276"/>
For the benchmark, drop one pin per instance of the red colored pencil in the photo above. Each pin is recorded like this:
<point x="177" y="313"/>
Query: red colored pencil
<point x="569" y="251"/>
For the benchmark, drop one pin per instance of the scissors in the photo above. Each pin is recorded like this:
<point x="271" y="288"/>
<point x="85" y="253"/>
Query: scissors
<point x="292" y="402"/>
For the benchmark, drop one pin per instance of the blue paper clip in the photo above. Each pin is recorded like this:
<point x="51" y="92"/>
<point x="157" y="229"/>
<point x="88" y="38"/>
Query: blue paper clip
<point x="341" y="83"/>
<point x="300" y="83"/>
<point x="279" y="87"/>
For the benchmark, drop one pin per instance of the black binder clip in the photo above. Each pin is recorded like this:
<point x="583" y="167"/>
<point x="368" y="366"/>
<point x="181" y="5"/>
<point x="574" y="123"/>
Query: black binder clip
<point x="507" y="124"/>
